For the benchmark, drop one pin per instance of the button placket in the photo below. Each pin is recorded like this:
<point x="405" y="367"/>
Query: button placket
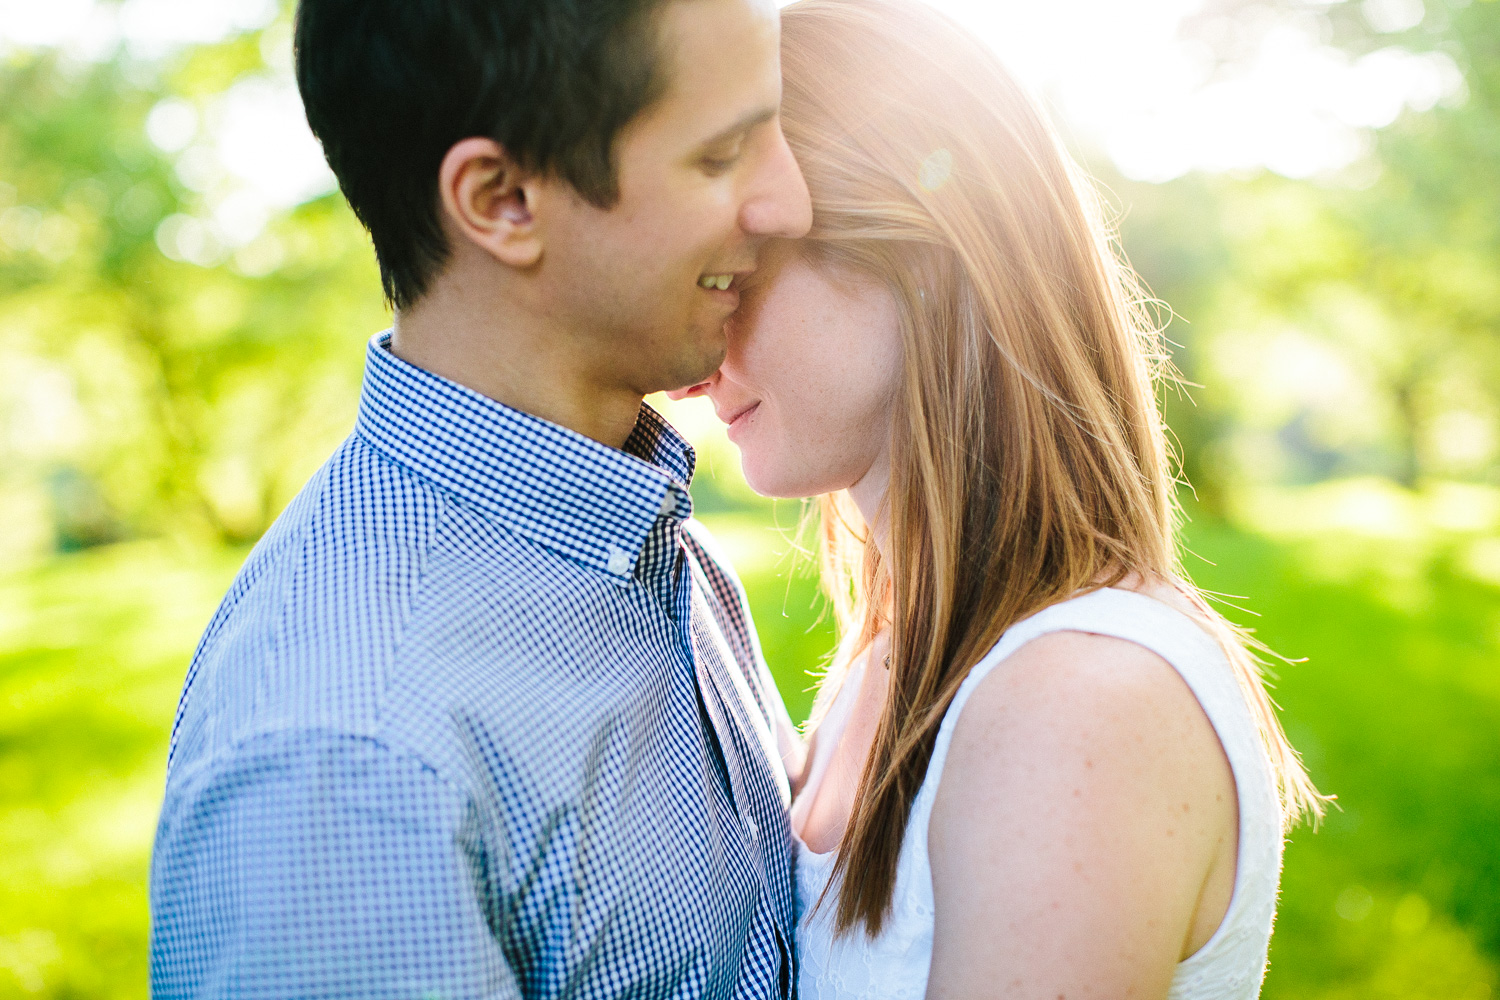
<point x="617" y="560"/>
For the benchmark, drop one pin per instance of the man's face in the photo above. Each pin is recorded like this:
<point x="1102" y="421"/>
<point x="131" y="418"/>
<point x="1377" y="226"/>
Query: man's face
<point x="705" y="179"/>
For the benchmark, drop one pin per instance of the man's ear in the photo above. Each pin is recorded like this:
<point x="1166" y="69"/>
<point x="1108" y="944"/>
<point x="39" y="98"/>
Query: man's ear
<point x="489" y="198"/>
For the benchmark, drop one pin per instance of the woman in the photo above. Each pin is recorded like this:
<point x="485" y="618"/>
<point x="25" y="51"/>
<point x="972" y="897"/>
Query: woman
<point x="1042" y="766"/>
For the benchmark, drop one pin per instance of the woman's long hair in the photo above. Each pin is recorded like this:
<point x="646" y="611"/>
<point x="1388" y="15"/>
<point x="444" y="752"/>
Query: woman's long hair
<point x="1029" y="461"/>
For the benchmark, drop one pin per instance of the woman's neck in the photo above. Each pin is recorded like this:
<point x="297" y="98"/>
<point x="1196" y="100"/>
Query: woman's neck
<point x="869" y="495"/>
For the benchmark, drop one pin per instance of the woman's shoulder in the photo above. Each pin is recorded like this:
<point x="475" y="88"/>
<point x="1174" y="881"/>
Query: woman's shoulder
<point x="1066" y="716"/>
<point x="1087" y="690"/>
<point x="1136" y="643"/>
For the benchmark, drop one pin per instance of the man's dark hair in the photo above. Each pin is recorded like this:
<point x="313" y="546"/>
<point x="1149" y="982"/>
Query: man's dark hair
<point x="391" y="85"/>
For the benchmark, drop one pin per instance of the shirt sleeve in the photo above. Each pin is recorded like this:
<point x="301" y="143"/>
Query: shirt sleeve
<point x="314" y="864"/>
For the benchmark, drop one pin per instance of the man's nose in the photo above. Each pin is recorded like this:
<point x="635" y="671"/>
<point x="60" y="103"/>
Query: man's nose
<point x="777" y="203"/>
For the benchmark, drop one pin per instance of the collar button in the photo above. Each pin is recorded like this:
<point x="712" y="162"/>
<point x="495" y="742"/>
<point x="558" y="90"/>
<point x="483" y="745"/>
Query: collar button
<point x="618" y="561"/>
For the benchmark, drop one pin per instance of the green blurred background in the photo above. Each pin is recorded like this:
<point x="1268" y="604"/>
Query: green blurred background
<point x="179" y="356"/>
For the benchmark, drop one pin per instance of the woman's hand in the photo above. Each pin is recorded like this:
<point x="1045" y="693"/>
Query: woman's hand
<point x="794" y="753"/>
<point x="1083" y="840"/>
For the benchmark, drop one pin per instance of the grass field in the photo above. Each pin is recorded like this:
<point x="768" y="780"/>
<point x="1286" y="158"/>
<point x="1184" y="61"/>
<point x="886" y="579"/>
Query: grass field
<point x="1397" y="709"/>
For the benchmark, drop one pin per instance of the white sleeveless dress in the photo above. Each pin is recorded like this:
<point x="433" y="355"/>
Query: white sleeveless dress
<point x="895" y="965"/>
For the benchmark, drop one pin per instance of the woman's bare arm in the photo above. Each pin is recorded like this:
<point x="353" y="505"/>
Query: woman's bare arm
<point x="1085" y="805"/>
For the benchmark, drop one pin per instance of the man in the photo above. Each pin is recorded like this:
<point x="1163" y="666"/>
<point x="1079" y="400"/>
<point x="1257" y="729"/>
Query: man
<point x="481" y="715"/>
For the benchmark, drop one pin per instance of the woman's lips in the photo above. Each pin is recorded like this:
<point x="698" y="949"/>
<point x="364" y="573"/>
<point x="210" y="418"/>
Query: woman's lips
<point x="737" y="420"/>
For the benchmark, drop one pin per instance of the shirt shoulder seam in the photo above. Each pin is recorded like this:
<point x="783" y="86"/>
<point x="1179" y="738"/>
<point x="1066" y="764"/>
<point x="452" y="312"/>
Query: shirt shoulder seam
<point x="241" y="744"/>
<point x="418" y="588"/>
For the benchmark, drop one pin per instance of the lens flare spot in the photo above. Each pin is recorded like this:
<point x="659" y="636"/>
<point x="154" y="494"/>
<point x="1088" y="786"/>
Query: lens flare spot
<point x="935" y="170"/>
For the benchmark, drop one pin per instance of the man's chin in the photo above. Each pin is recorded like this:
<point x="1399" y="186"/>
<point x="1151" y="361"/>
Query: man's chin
<point x="697" y="366"/>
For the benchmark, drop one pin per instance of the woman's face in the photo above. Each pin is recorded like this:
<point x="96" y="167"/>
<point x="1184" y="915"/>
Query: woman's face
<point x="810" y="376"/>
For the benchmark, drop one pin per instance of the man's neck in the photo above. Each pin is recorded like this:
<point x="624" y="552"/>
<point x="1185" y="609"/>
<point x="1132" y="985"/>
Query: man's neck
<point x="520" y="363"/>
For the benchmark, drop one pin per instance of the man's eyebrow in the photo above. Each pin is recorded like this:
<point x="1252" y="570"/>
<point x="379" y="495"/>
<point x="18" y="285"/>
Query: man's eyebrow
<point x="746" y="122"/>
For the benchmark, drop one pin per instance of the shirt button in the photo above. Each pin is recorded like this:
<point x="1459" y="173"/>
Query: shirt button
<point x="669" y="503"/>
<point x="618" y="561"/>
<point x="752" y="828"/>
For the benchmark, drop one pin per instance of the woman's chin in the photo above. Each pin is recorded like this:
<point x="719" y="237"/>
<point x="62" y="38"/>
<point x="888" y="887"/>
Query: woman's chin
<point x="769" y="480"/>
<point x="762" y="485"/>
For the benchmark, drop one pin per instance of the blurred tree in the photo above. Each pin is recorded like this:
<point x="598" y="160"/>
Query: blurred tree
<point x="1351" y="324"/>
<point x="172" y="381"/>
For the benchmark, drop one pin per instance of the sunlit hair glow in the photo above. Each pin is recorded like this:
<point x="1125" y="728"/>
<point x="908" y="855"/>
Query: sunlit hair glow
<point x="1029" y="458"/>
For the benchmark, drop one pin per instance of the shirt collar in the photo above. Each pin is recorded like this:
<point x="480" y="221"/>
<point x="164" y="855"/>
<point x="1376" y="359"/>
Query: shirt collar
<point x="580" y="498"/>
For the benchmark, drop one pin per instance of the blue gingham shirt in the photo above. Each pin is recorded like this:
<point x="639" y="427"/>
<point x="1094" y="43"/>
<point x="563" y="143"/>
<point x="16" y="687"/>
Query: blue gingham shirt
<point x="481" y="716"/>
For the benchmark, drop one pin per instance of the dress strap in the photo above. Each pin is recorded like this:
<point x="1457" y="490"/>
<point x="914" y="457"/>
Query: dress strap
<point x="1147" y="622"/>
